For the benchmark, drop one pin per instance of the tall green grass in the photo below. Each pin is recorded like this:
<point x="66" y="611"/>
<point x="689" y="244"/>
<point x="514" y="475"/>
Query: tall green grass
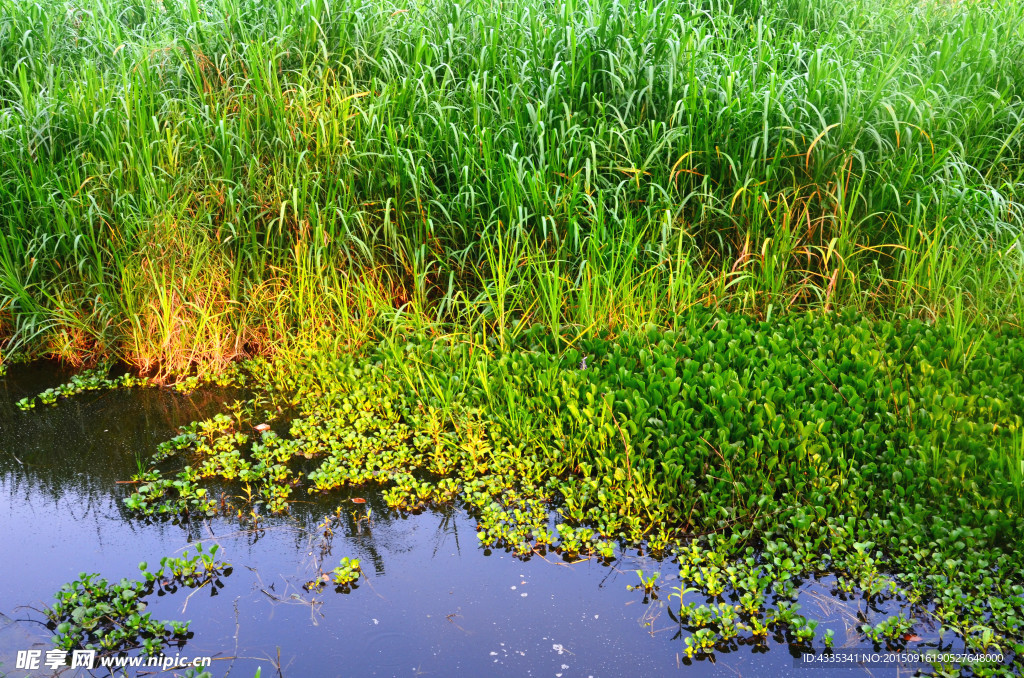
<point x="186" y="182"/>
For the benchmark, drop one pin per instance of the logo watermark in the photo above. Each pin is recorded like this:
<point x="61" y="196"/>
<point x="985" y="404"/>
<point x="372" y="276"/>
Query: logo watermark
<point x="36" y="660"/>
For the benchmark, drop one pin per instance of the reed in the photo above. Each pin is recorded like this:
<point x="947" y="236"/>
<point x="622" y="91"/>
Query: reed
<point x="184" y="183"/>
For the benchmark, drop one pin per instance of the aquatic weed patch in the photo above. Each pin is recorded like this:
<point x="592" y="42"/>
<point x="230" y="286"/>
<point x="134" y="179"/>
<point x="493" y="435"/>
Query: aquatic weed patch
<point x="347" y="572"/>
<point x="775" y="450"/>
<point x="87" y="380"/>
<point x="98" y="379"/>
<point x="94" y="614"/>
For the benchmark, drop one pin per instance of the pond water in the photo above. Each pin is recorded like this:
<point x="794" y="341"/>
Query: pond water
<point x="433" y="602"/>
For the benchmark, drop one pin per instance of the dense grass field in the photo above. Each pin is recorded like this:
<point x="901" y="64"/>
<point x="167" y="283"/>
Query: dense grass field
<point x="190" y="182"/>
<point x="747" y="277"/>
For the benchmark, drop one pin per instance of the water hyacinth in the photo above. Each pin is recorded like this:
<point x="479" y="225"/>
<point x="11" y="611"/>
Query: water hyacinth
<point x="758" y="452"/>
<point x="94" y="614"/>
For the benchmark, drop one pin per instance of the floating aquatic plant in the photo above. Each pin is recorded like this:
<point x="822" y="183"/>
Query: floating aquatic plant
<point x="93" y="613"/>
<point x="347" y="572"/>
<point x="814" y="439"/>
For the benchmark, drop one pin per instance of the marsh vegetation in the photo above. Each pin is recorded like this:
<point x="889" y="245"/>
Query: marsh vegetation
<point x="737" y="283"/>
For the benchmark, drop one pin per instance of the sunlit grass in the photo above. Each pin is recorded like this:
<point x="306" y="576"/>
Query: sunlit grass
<point x="599" y="165"/>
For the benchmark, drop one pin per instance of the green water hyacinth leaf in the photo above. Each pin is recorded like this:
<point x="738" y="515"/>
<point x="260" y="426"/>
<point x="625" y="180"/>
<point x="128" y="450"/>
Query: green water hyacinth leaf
<point x="93" y="613"/>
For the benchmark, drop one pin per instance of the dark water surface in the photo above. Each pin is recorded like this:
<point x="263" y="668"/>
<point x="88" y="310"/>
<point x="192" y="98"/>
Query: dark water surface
<point x="432" y="603"/>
